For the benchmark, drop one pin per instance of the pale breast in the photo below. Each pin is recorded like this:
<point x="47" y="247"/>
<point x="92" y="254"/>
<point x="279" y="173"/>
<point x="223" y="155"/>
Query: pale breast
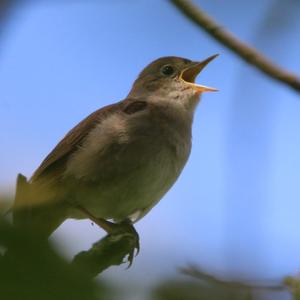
<point x="128" y="165"/>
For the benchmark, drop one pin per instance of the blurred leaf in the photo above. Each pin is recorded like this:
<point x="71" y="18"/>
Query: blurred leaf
<point x="293" y="283"/>
<point x="31" y="269"/>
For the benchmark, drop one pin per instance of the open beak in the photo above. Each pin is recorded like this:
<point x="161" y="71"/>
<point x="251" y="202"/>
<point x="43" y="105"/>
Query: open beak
<point x="189" y="75"/>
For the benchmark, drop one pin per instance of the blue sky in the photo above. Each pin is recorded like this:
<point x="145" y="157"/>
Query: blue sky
<point x="235" y="208"/>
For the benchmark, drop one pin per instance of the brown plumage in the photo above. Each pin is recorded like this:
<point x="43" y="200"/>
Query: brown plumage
<point x="119" y="161"/>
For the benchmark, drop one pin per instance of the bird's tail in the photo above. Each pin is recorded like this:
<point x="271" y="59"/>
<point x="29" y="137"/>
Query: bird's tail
<point x="20" y="210"/>
<point x="29" y="215"/>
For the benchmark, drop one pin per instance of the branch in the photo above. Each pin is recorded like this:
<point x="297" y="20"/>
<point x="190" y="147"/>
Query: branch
<point x="247" y="53"/>
<point x="109" y="251"/>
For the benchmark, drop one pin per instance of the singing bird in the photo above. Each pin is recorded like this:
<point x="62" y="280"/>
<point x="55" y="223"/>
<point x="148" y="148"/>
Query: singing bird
<point x="121" y="160"/>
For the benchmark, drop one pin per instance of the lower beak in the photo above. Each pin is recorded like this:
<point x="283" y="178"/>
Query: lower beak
<point x="189" y="75"/>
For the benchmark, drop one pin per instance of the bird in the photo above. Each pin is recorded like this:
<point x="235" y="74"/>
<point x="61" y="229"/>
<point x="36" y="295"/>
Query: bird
<point x="117" y="163"/>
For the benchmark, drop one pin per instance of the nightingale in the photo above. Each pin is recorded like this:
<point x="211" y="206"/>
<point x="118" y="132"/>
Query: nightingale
<point x="121" y="160"/>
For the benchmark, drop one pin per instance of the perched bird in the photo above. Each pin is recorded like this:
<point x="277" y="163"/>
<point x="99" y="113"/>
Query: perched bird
<point x="120" y="161"/>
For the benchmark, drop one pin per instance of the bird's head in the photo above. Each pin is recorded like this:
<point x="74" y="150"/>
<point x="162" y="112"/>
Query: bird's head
<point x="172" y="79"/>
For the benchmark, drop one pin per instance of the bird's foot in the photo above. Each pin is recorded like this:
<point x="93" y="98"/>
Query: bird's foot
<point x="126" y="228"/>
<point x="117" y="229"/>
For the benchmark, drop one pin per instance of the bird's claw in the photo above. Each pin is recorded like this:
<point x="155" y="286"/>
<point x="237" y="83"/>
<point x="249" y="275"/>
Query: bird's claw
<point x="133" y="252"/>
<point x="126" y="227"/>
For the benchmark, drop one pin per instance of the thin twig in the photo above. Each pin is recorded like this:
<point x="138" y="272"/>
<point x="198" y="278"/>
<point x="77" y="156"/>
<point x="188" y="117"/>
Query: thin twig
<point x="6" y="6"/>
<point x="208" y="278"/>
<point x="247" y="53"/>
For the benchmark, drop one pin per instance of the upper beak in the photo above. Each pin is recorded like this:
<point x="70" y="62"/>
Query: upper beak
<point x="189" y="74"/>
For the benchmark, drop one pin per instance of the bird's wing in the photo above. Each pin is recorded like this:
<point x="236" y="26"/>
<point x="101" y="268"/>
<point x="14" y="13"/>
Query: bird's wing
<point x="37" y="205"/>
<point x="53" y="166"/>
<point x="55" y="163"/>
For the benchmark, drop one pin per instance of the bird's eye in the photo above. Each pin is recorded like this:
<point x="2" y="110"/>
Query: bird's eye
<point x="167" y="70"/>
